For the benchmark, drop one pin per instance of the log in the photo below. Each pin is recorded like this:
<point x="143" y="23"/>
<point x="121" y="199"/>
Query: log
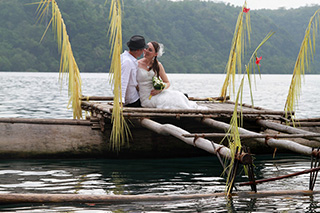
<point x="169" y="129"/>
<point x="46" y="121"/>
<point x="285" y="128"/>
<point x="248" y="136"/>
<point x="286" y="144"/>
<point x="16" y="198"/>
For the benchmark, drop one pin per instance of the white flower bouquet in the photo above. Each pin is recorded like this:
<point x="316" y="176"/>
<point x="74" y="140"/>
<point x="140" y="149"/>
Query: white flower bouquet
<point x="158" y="84"/>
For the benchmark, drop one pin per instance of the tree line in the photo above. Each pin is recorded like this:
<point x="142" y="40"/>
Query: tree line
<point x="197" y="35"/>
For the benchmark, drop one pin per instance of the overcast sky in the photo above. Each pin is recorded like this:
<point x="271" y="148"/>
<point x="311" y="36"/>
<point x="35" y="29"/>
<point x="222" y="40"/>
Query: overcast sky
<point x="272" y="4"/>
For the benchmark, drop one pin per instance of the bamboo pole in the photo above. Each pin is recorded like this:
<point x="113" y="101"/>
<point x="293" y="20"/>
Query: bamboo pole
<point x="307" y="120"/>
<point x="248" y="136"/>
<point x="305" y="124"/>
<point x="285" y="128"/>
<point x="46" y="121"/>
<point x="96" y="98"/>
<point x="286" y="144"/>
<point x="180" y="115"/>
<point x="15" y="198"/>
<point x="169" y="129"/>
<point x="280" y="177"/>
<point x="154" y="112"/>
<point x="203" y="111"/>
<point x="106" y="98"/>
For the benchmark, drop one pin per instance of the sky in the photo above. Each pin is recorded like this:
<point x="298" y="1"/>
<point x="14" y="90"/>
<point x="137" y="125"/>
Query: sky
<point x="271" y="4"/>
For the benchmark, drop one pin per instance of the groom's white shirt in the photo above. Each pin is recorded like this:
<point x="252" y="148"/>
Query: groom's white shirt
<point x="129" y="67"/>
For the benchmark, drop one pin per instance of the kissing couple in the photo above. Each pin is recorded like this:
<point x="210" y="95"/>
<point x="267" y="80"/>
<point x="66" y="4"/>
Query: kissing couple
<point x="144" y="82"/>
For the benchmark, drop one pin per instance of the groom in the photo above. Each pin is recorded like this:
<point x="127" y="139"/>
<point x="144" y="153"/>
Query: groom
<point x="129" y="67"/>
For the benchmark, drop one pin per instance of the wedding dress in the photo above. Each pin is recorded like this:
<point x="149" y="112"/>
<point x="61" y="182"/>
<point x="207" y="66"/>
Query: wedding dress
<point x="167" y="99"/>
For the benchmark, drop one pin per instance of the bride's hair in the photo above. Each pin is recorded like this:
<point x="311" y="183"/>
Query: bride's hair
<point x="155" y="64"/>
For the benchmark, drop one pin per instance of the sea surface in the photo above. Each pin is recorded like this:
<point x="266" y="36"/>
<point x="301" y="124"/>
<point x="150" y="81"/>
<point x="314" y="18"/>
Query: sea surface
<point x="42" y="95"/>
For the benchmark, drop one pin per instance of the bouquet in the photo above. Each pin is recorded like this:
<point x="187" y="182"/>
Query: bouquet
<point x="158" y="84"/>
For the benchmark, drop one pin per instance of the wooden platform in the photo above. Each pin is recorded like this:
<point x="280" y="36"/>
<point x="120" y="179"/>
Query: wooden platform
<point x="156" y="133"/>
<point x="195" y="125"/>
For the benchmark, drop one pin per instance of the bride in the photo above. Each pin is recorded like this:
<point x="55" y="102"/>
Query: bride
<point x="148" y="67"/>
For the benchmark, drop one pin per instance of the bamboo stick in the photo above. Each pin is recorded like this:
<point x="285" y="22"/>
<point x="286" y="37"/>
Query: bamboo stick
<point x="15" y="198"/>
<point x="180" y="115"/>
<point x="96" y="98"/>
<point x="305" y="124"/>
<point x="106" y="98"/>
<point x="284" y="128"/>
<point x="106" y="108"/>
<point x="209" y="99"/>
<point x="246" y="136"/>
<point x="280" y="177"/>
<point x="286" y="144"/>
<point x="246" y="105"/>
<point x="203" y="111"/>
<point x="169" y="129"/>
<point x="308" y="120"/>
<point x="46" y="121"/>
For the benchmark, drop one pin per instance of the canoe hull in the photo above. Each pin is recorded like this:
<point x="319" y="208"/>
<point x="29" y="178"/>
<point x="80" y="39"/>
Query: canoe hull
<point x="55" y="140"/>
<point x="67" y="138"/>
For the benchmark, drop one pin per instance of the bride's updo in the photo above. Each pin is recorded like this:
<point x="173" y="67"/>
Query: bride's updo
<point x="155" y="64"/>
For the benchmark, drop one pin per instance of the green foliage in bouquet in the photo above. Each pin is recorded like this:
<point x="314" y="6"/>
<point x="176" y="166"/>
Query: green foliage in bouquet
<point x="158" y="84"/>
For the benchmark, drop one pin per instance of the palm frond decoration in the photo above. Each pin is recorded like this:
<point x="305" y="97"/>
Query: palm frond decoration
<point x="120" y="130"/>
<point x="250" y="67"/>
<point x="234" y="138"/>
<point x="67" y="61"/>
<point x="307" y="49"/>
<point x="237" y="49"/>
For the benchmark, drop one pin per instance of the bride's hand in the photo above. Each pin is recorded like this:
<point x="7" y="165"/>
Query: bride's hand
<point x="155" y="92"/>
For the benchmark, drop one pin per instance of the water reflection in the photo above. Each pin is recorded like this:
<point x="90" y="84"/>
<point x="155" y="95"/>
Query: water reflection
<point x="155" y="177"/>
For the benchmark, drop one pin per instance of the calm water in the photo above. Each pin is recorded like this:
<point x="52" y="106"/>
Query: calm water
<point x="38" y="95"/>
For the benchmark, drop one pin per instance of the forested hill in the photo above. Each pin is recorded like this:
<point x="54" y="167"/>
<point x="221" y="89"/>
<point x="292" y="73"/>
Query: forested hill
<point x="197" y="35"/>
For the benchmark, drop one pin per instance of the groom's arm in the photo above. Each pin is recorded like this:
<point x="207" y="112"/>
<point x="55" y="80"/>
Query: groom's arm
<point x="125" y="76"/>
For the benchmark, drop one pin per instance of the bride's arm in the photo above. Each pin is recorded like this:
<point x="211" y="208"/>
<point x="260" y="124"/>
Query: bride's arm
<point x="165" y="79"/>
<point x="163" y="76"/>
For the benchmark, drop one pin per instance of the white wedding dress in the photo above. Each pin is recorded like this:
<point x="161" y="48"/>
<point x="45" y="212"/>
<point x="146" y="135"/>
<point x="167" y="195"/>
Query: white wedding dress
<point x="167" y="99"/>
